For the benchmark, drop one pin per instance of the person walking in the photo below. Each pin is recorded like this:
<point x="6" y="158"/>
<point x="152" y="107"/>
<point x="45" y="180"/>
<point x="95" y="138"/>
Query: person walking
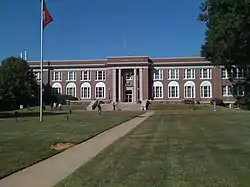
<point x="114" y="105"/>
<point x="99" y="108"/>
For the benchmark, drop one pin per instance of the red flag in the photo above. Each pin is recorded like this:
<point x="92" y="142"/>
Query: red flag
<point x="47" y="18"/>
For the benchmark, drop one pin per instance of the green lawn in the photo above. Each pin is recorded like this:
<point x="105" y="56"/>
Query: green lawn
<point x="27" y="141"/>
<point x="175" y="149"/>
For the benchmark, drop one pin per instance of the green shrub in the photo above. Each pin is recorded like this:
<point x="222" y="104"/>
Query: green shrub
<point x="218" y="101"/>
<point x="63" y="98"/>
<point x="188" y="101"/>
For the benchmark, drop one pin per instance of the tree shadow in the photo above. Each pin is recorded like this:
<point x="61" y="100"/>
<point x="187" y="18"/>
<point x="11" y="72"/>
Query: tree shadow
<point x="29" y="114"/>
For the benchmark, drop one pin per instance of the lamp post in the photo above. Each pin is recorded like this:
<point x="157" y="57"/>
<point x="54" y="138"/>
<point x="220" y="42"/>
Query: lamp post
<point x="109" y="93"/>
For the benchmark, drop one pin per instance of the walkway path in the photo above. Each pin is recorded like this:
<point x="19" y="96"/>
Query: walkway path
<point x="51" y="171"/>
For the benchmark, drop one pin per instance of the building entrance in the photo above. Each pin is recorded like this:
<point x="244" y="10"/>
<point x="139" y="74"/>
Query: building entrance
<point x="129" y="96"/>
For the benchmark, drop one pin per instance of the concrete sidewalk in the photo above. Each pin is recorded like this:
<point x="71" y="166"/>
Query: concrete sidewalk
<point x="54" y="169"/>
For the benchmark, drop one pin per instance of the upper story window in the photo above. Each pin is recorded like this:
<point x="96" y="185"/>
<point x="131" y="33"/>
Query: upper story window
<point x="56" y="76"/>
<point x="173" y="74"/>
<point x="237" y="73"/>
<point x="158" y="74"/>
<point x="224" y="73"/>
<point x="85" y="75"/>
<point x="71" y="76"/>
<point x="189" y="73"/>
<point x="206" y="73"/>
<point x="129" y="75"/>
<point x="100" y="75"/>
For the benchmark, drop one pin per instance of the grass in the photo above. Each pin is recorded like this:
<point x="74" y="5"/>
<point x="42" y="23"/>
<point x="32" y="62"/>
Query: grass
<point x="27" y="141"/>
<point x="182" y="148"/>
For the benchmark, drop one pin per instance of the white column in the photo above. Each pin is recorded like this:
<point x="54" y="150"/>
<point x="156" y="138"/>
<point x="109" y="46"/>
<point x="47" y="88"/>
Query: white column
<point x="135" y="87"/>
<point x="114" y="85"/>
<point x="119" y="85"/>
<point x="140" y="83"/>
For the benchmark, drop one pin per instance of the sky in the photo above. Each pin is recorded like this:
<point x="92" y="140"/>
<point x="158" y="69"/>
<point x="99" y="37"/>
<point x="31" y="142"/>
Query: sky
<point x="95" y="29"/>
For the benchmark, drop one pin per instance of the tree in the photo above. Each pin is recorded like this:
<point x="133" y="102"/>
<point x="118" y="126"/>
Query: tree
<point x="18" y="85"/>
<point x="227" y="38"/>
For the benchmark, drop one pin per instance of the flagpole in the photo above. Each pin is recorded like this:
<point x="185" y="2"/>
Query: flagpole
<point x="41" y="64"/>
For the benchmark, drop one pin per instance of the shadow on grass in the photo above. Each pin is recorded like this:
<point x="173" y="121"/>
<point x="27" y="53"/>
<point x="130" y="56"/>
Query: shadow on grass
<point x="29" y="114"/>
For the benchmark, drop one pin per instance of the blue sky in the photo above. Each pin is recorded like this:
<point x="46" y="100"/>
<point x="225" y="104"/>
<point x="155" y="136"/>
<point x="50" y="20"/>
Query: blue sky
<point x="94" y="29"/>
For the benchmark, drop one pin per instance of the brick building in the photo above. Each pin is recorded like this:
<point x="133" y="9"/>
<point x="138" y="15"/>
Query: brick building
<point x="129" y="79"/>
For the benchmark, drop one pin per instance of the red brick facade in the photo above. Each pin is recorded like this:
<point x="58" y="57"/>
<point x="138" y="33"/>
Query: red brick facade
<point x="162" y="79"/>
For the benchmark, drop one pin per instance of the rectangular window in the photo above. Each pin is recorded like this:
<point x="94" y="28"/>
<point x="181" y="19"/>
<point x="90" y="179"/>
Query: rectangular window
<point x="189" y="73"/>
<point x="157" y="92"/>
<point x="71" y="76"/>
<point x="100" y="76"/>
<point x="71" y="91"/>
<point x="85" y="75"/>
<point x="85" y="93"/>
<point x="129" y="75"/>
<point x="173" y="74"/>
<point x="99" y="93"/>
<point x="224" y="73"/>
<point x="173" y="92"/>
<point x="56" y="76"/>
<point x="158" y="74"/>
<point x="206" y="73"/>
<point x="227" y="91"/>
<point x="189" y="92"/>
<point x="206" y="92"/>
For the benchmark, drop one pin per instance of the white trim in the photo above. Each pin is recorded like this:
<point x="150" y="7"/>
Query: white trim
<point x="85" y="85"/>
<point x="67" y="65"/>
<point x="127" y="67"/>
<point x="209" y="73"/>
<point x="114" y="85"/>
<point x="140" y="82"/>
<point x="119" y="85"/>
<point x="101" y="85"/>
<point x="174" y="84"/>
<point x="185" y="74"/>
<point x="206" y="83"/>
<point x="160" y="74"/>
<point x="187" y="84"/>
<point x="160" y="85"/>
<point x="135" y="86"/>
<point x="193" y="62"/>
<point x="71" y="85"/>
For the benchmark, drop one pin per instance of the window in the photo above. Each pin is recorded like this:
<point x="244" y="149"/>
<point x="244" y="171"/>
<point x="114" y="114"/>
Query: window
<point x="100" y="75"/>
<point x="129" y="75"/>
<point x="189" y="73"/>
<point x="158" y="74"/>
<point x="85" y="91"/>
<point x="56" y="89"/>
<point x="173" y="90"/>
<point x="71" y="76"/>
<point x="205" y="73"/>
<point x="85" y="75"/>
<point x="227" y="91"/>
<point x="38" y="76"/>
<point x="206" y="89"/>
<point x="234" y="73"/>
<point x="100" y="90"/>
<point x="157" y="90"/>
<point x="173" y="74"/>
<point x="56" y="76"/>
<point x="238" y="90"/>
<point x="189" y="89"/>
<point x="224" y="73"/>
<point x="71" y="89"/>
<point x="239" y="73"/>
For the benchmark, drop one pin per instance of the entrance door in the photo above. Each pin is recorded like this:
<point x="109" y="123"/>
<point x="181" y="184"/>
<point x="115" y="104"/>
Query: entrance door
<point x="129" y="96"/>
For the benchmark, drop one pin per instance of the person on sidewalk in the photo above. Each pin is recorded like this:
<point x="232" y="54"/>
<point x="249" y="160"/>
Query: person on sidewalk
<point x="99" y="108"/>
<point x="114" y="105"/>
